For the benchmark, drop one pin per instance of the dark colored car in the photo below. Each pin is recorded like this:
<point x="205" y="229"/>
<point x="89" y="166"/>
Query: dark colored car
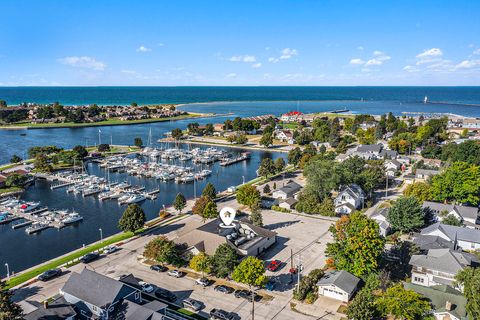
<point x="165" y="295"/>
<point x="49" y="274"/>
<point x="158" y="268"/>
<point x="89" y="257"/>
<point x="221" y="314"/>
<point x="245" y="294"/>
<point x="224" y="289"/>
<point x="274" y="265"/>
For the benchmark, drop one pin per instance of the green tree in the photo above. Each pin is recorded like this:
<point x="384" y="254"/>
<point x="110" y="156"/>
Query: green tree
<point x="267" y="167"/>
<point x="267" y="139"/>
<point x="279" y="164"/>
<point x="248" y="195"/>
<point x="451" y="220"/>
<point x="357" y="245"/>
<point x="15" y="159"/>
<point x="224" y="260"/>
<point x="80" y="152"/>
<point x="41" y="163"/>
<point x="3" y="104"/>
<point x="8" y="309"/>
<point x="133" y="218"/>
<point x="180" y="202"/>
<point x="162" y="250"/>
<point x="104" y="147"/>
<point x="210" y="210"/>
<point x="266" y="189"/>
<point x="460" y="182"/>
<point x="15" y="180"/>
<point x="177" y="133"/>
<point x="256" y="217"/>
<point x="134" y="104"/>
<point x="251" y="272"/>
<point x="323" y="176"/>
<point x="138" y="142"/>
<point x="308" y="285"/>
<point x="209" y="191"/>
<point x="362" y="306"/>
<point x="241" y="139"/>
<point x="201" y="263"/>
<point x="469" y="278"/>
<point x="294" y="156"/>
<point x="406" y="215"/>
<point x="400" y="303"/>
<point x="418" y="190"/>
<point x="209" y="129"/>
<point x="199" y="206"/>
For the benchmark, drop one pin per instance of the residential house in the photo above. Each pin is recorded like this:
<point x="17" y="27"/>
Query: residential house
<point x="57" y="309"/>
<point x="404" y="159"/>
<point x="289" y="190"/>
<point x="285" y="136"/>
<point x="338" y="284"/>
<point x="368" y="151"/>
<point x="447" y="303"/>
<point x="349" y="198"/>
<point x="465" y="214"/>
<point x="96" y="295"/>
<point x="425" y="174"/>
<point x="388" y="154"/>
<point x="318" y="144"/>
<point x="288" y="203"/>
<point x="380" y="216"/>
<point x="461" y="237"/>
<point x="439" y="266"/>
<point x="425" y="243"/>
<point x="290" y="116"/>
<point x="392" y="167"/>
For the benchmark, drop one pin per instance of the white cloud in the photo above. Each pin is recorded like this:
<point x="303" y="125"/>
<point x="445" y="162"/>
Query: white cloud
<point x="357" y="61"/>
<point x="143" y="49"/>
<point x="83" y="62"/>
<point x="360" y="48"/>
<point x="245" y="58"/>
<point x="477" y="51"/>
<point x="429" y="53"/>
<point x="286" y="54"/>
<point x="256" y="65"/>
<point x="467" y="64"/>
<point x="373" y="62"/>
<point x="231" y="75"/>
<point x="378" y="53"/>
<point x="410" y="69"/>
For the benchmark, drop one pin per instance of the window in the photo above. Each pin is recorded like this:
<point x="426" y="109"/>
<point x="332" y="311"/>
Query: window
<point x="417" y="279"/>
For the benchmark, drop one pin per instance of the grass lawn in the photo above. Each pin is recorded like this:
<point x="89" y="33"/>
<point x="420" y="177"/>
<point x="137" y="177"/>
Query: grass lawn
<point x="110" y="122"/>
<point x="11" y="189"/>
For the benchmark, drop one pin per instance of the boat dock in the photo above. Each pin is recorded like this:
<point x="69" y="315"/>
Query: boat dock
<point x="242" y="157"/>
<point x="21" y="224"/>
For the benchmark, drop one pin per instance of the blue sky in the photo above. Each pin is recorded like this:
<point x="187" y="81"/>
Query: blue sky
<point x="239" y="42"/>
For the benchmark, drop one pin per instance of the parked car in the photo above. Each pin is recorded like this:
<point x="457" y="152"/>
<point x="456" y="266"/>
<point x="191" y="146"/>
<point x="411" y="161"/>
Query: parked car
<point x="165" y="295"/>
<point x="221" y="314"/>
<point x="192" y="304"/>
<point x="146" y="287"/>
<point x="89" y="257"/>
<point x="158" y="268"/>
<point x="224" y="289"/>
<point x="49" y="274"/>
<point x="246" y="294"/>
<point x="176" y="273"/>
<point x="203" y="282"/>
<point x="274" y="265"/>
<point x="110" y="249"/>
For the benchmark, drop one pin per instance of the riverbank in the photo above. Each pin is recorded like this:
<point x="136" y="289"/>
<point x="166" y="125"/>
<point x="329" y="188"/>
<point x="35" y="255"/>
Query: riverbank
<point x="111" y="122"/>
<point x="256" y="147"/>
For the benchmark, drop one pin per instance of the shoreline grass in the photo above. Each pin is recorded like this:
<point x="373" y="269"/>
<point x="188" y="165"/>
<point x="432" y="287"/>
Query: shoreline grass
<point x="111" y="122"/>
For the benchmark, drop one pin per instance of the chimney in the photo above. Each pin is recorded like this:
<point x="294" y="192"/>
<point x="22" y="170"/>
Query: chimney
<point x="45" y="304"/>
<point x="448" y="306"/>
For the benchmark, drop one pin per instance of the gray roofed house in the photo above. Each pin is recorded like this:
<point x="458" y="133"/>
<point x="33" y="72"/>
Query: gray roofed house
<point x="425" y="243"/>
<point x="153" y="310"/>
<point x="289" y="190"/>
<point x="338" y="284"/>
<point x="466" y="214"/>
<point x="349" y="198"/>
<point x="388" y="154"/>
<point x="425" y="173"/>
<point x="370" y="148"/>
<point x="380" y="216"/>
<point x="447" y="302"/>
<point x="465" y="238"/>
<point x="56" y="309"/>
<point x="439" y="266"/>
<point x="96" y="295"/>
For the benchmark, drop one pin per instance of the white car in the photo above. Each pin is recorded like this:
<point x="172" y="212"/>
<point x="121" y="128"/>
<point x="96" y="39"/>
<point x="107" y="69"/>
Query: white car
<point x="175" y="273"/>
<point x="110" y="249"/>
<point x="146" y="287"/>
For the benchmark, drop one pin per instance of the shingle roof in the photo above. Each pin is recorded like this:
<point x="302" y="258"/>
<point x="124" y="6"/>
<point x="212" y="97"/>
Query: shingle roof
<point x="427" y="172"/>
<point x="57" y="309"/>
<point x="463" y="211"/>
<point x="290" y="187"/>
<point x="353" y="190"/>
<point x="439" y="296"/>
<point x="95" y="288"/>
<point x="453" y="232"/>
<point x="149" y="311"/>
<point x="369" y="148"/>
<point x="445" y="260"/>
<point x="425" y="242"/>
<point x="341" y="279"/>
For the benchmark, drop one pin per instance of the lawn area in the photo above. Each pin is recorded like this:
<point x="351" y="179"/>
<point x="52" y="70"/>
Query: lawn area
<point x="11" y="189"/>
<point x="291" y="126"/>
<point x="14" y="281"/>
<point x="110" y="122"/>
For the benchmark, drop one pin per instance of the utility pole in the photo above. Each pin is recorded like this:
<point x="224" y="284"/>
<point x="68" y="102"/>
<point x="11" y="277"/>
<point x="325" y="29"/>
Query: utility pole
<point x="253" y="302"/>
<point x="299" y="271"/>
<point x="386" y="186"/>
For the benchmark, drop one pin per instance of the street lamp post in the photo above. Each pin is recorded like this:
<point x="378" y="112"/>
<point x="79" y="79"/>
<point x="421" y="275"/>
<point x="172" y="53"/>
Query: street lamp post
<point x="8" y="271"/>
<point x="101" y="234"/>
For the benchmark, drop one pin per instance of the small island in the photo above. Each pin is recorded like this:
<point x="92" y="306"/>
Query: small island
<point x="56" y="115"/>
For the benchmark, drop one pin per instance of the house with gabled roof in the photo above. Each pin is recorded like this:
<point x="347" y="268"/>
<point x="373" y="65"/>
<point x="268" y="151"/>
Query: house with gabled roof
<point x="440" y="266"/>
<point x="338" y="284"/>
<point x="461" y="237"/>
<point x="380" y="216"/>
<point x="466" y="214"/>
<point x="349" y="199"/>
<point x="289" y="190"/>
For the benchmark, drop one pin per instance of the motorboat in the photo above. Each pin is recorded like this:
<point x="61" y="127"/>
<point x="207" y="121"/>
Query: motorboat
<point x="72" y="218"/>
<point x="135" y="198"/>
<point x="29" y="206"/>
